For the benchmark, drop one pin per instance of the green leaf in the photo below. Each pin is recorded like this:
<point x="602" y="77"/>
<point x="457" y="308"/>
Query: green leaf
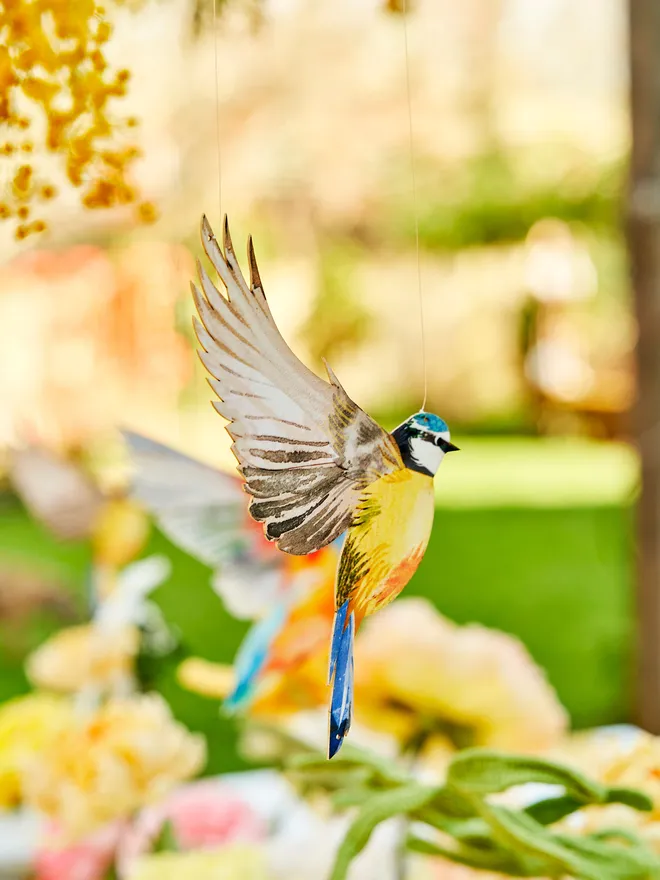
<point x="350" y="758"/>
<point x="458" y="828"/>
<point x="580" y="857"/>
<point x="552" y="810"/>
<point x="327" y="778"/>
<point x="632" y="862"/>
<point x="453" y="803"/>
<point x="487" y="836"/>
<point x="480" y="771"/>
<point x="352" y="797"/>
<point x="382" y="806"/>
<point x="166" y="840"/>
<point x="497" y="860"/>
<point x="631" y="797"/>
<point x="520" y="832"/>
<point x="622" y="834"/>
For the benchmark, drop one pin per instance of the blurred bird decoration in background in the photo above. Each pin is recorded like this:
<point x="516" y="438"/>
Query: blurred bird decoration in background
<point x="62" y="495"/>
<point x="320" y="471"/>
<point x="203" y="511"/>
<point x="97" y="658"/>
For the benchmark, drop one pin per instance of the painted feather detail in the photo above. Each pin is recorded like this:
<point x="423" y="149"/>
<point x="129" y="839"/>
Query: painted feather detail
<point x="304" y="448"/>
<point x="386" y="542"/>
<point x="341" y="678"/>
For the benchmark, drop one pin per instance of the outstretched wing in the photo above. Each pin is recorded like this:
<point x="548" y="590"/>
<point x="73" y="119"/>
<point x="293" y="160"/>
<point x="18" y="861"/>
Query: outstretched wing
<point x="304" y="448"/>
<point x="202" y="510"/>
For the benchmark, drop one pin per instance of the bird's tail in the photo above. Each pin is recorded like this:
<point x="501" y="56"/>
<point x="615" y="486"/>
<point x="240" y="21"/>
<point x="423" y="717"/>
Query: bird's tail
<point x="341" y="677"/>
<point x="251" y="657"/>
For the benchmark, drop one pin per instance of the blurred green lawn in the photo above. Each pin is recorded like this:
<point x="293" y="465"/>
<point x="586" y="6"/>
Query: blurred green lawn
<point x="533" y="537"/>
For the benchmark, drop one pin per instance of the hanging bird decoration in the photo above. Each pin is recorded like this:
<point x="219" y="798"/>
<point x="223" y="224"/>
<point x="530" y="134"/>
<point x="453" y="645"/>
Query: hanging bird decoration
<point x="315" y="464"/>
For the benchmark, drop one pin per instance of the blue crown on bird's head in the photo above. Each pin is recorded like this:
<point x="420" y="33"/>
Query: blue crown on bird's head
<point x="425" y="421"/>
<point x="427" y="426"/>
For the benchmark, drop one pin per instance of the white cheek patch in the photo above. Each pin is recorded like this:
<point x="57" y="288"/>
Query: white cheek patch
<point x="445" y="435"/>
<point x="426" y="454"/>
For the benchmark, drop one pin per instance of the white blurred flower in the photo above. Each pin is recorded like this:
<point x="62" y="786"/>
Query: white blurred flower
<point x="127" y="603"/>
<point x="558" y="266"/>
<point x="98" y="658"/>
<point x="559" y="370"/>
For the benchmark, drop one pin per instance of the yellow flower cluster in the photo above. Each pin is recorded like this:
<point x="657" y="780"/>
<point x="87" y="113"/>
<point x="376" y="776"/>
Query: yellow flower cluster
<point x="110" y="763"/>
<point x="52" y="53"/>
<point x="26" y="725"/>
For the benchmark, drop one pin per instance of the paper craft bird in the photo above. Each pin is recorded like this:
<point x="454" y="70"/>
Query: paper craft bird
<point x="315" y="464"/>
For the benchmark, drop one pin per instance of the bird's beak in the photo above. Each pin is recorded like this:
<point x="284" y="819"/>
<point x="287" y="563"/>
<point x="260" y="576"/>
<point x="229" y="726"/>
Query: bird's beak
<point x="445" y="445"/>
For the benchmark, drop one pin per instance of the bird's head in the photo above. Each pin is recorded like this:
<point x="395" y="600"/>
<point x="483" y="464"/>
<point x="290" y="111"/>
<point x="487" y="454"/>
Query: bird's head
<point x="423" y="440"/>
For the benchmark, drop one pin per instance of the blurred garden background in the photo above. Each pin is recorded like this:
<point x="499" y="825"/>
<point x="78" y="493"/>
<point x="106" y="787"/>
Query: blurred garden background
<point x="521" y="132"/>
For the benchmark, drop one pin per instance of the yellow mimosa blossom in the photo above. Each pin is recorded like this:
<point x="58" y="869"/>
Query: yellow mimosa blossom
<point x="228" y="863"/>
<point x="26" y="725"/>
<point x="109" y="763"/>
<point x="53" y="53"/>
<point x="84" y="656"/>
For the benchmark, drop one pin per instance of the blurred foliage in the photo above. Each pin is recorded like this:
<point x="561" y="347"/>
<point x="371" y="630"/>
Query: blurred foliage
<point x="465" y="825"/>
<point x="337" y="319"/>
<point x="203" y="12"/>
<point x="497" y="196"/>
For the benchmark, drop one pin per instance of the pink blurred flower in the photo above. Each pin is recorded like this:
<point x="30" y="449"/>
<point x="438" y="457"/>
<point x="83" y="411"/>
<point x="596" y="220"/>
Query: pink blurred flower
<point x="89" y="859"/>
<point x="203" y="815"/>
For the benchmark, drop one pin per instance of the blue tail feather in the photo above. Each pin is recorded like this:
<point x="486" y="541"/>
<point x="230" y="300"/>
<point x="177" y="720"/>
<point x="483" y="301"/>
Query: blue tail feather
<point x="251" y="657"/>
<point x="341" y="675"/>
<point x="338" y="628"/>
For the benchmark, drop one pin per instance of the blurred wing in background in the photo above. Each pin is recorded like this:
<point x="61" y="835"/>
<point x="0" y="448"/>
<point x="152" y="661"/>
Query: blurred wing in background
<point x="57" y="493"/>
<point x="199" y="508"/>
<point x="305" y="449"/>
<point x="203" y="511"/>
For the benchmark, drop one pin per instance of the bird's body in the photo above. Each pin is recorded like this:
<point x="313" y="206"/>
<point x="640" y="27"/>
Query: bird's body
<point x="316" y="465"/>
<point x="386" y="544"/>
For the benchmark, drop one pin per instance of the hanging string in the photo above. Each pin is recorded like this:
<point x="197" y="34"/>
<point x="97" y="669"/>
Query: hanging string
<point x="217" y="112"/>
<point x="413" y="175"/>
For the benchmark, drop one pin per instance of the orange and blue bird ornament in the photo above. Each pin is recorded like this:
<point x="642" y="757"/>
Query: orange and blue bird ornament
<point x="314" y="463"/>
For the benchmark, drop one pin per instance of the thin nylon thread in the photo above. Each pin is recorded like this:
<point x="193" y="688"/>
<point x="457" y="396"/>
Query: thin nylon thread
<point x="217" y="110"/>
<point x="413" y="175"/>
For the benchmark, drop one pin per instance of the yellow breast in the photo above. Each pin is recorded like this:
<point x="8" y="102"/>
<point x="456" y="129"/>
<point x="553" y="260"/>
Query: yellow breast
<point x="385" y="546"/>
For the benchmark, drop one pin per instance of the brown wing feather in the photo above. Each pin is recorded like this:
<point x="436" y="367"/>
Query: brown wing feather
<point x="305" y="449"/>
